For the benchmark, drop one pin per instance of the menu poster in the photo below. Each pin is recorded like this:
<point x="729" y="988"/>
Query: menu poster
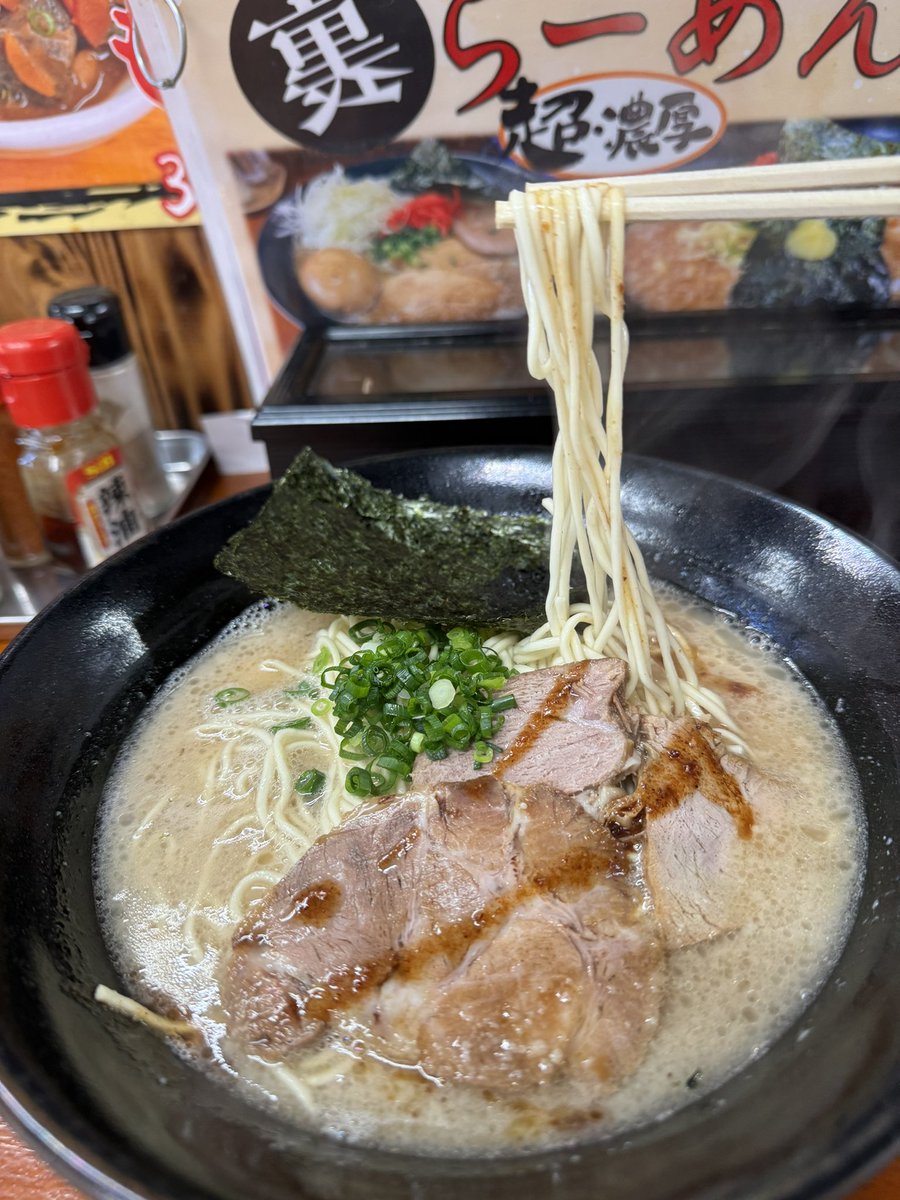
<point x="349" y="163"/>
<point x="84" y="141"/>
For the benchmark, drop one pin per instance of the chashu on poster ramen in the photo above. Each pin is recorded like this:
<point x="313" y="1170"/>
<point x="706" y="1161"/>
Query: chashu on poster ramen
<point x="84" y="141"/>
<point x="348" y="152"/>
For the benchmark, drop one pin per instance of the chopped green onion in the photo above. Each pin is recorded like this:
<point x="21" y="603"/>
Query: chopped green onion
<point x="311" y="783"/>
<point x="322" y="660"/>
<point x="433" y="726"/>
<point x="382" y="784"/>
<point x="41" y="22"/>
<point x="393" y="765"/>
<point x="492" y="681"/>
<point x="472" y="658"/>
<point x="357" y="688"/>
<point x="409" y="691"/>
<point x="359" y="782"/>
<point x="353" y="753"/>
<point x="441" y="693"/>
<point x="364" y="631"/>
<point x="304" y="687"/>
<point x="229" y="696"/>
<point x="375" y="740"/>
<point x="321" y="707"/>
<point x="300" y="723"/>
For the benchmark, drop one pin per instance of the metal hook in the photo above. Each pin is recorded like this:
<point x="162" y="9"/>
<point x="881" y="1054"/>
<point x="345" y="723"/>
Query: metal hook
<point x="164" y="84"/>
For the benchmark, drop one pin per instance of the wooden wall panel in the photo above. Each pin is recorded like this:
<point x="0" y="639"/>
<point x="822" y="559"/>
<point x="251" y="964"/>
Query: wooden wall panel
<point x="173" y="307"/>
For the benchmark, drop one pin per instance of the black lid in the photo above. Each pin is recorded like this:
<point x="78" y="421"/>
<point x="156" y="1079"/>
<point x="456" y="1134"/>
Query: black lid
<point x="97" y="315"/>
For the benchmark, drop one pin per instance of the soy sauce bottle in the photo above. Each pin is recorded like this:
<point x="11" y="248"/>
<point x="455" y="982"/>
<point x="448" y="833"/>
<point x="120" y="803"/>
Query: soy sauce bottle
<point x="72" y="466"/>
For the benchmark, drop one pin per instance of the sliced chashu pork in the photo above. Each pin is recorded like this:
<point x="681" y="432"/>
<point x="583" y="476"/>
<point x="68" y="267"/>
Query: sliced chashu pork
<point x="486" y="933"/>
<point x="330" y="923"/>
<point x="571" y="980"/>
<point x="570" y="729"/>
<point x="700" y="813"/>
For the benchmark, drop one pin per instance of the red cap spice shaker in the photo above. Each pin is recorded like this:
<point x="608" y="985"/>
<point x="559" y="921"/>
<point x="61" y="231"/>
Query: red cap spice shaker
<point x="71" y="464"/>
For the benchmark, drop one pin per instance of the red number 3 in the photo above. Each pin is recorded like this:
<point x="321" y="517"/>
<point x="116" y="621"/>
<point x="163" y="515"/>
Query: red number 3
<point x="182" y="203"/>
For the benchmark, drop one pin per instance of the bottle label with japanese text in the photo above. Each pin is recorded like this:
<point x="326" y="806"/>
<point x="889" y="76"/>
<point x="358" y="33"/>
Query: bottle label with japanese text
<point x="107" y="516"/>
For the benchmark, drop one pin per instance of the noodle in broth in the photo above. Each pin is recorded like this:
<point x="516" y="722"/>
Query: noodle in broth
<point x="174" y="881"/>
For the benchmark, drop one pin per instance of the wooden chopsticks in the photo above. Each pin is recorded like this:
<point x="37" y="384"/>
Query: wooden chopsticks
<point x="841" y="188"/>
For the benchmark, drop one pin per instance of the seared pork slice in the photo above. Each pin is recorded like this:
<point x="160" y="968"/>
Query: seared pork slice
<point x="682" y="760"/>
<point x="328" y="927"/>
<point x="562" y="988"/>
<point x="511" y="942"/>
<point x="571" y="979"/>
<point x="510" y="1017"/>
<point x="691" y="862"/>
<point x="768" y="797"/>
<point x="569" y="730"/>
<point x="699" y="822"/>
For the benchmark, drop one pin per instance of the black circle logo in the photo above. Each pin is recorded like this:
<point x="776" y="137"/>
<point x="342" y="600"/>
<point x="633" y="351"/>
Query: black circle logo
<point x="334" y="75"/>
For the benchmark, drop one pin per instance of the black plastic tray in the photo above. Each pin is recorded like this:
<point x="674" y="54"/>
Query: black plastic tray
<point x="805" y="404"/>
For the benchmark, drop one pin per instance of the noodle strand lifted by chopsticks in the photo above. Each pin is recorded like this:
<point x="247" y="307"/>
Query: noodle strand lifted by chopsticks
<point x="571" y="252"/>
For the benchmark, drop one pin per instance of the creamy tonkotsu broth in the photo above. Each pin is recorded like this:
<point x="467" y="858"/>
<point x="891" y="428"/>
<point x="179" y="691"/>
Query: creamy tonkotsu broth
<point x="177" y="838"/>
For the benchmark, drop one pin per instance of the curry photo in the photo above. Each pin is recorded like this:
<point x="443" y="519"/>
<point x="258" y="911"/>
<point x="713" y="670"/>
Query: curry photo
<point x="55" y="57"/>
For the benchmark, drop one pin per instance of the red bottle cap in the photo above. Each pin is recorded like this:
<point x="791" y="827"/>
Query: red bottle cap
<point x="44" y="373"/>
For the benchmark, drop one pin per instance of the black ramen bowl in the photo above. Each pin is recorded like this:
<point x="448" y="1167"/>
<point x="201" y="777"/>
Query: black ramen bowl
<point x="110" y="1105"/>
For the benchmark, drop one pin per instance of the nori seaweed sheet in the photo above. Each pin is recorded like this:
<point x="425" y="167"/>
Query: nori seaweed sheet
<point x="331" y="542"/>
<point x="856" y="274"/>
<point x="819" y="140"/>
<point x="431" y="165"/>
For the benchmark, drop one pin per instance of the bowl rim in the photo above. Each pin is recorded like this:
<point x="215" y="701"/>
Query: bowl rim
<point x="71" y="130"/>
